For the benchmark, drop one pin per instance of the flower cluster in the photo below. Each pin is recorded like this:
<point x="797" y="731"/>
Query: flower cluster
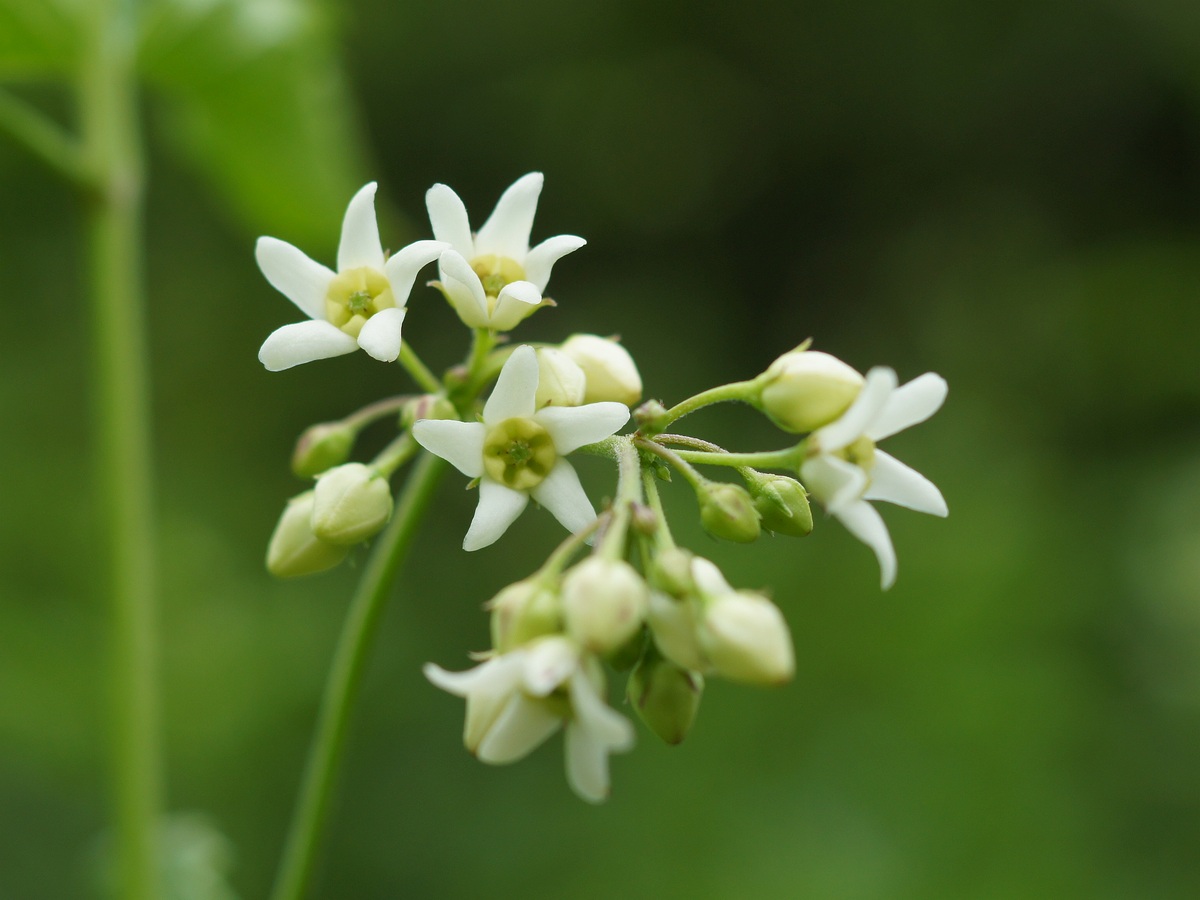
<point x="618" y="594"/>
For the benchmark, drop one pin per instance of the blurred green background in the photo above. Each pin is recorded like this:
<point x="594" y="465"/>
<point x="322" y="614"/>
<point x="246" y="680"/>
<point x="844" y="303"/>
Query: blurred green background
<point x="1007" y="194"/>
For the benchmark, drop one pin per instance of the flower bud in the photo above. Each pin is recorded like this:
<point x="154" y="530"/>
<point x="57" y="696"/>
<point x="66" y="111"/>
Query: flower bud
<point x="294" y="549"/>
<point x="522" y="612"/>
<point x="604" y="602"/>
<point x="673" y="571"/>
<point x="610" y="370"/>
<point x="673" y="624"/>
<point x="321" y="447"/>
<point x="665" y="696"/>
<point x="745" y="638"/>
<point x="783" y="504"/>
<point x="726" y="511"/>
<point x="427" y="406"/>
<point x="804" y="390"/>
<point x="561" y="381"/>
<point x="351" y="503"/>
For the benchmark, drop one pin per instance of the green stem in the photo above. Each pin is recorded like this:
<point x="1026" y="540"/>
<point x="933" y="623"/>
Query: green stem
<point x="345" y="678"/>
<point x="561" y="555"/>
<point x="419" y="372"/>
<point x="738" y="390"/>
<point x="629" y="491"/>
<point x="662" y="536"/>
<point x="46" y="140"/>
<point x="789" y="458"/>
<point x="399" y="451"/>
<point x="672" y="458"/>
<point x="380" y="409"/>
<point x="111" y="144"/>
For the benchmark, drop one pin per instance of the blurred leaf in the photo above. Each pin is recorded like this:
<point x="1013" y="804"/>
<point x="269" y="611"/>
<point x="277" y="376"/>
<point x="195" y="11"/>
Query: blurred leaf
<point x="38" y="37"/>
<point x="258" y="102"/>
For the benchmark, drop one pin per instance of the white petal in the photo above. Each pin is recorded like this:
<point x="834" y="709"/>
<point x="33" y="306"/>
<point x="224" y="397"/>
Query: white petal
<point x="465" y="288"/>
<point x="509" y="312"/>
<point x="596" y="717"/>
<point x="862" y="521"/>
<point x="562" y="494"/>
<point x="380" y="336"/>
<point x="294" y="275"/>
<point x="548" y="663"/>
<point x="880" y="383"/>
<point x="448" y="216"/>
<point x="498" y="508"/>
<point x="485" y="676"/>
<point x="524" y="291"/>
<point x="303" y="342"/>
<point x="710" y="581"/>
<point x="909" y="405"/>
<point x="459" y="443"/>
<point x="515" y="393"/>
<point x="360" y="245"/>
<point x="541" y="259"/>
<point x="506" y="232"/>
<point x="894" y="482"/>
<point x="833" y="481"/>
<point x="402" y="266"/>
<point x="595" y="732"/>
<point x="571" y="427"/>
<point x="521" y="726"/>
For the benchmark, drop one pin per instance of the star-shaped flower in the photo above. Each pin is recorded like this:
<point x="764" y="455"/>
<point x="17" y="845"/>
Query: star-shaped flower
<point x="518" y="699"/>
<point x="360" y="305"/>
<point x="517" y="451"/>
<point x="844" y="469"/>
<point x="492" y="278"/>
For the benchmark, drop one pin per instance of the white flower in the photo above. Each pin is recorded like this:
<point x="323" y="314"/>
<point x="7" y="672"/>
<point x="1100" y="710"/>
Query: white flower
<point x="517" y="451"/>
<point x="844" y="469"/>
<point x="361" y="305"/>
<point x="492" y="278"/>
<point x="518" y="699"/>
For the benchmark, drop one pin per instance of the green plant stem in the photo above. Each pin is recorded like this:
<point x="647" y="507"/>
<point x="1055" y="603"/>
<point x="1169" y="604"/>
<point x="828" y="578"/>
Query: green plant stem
<point x="395" y="454"/>
<point x="380" y="409"/>
<point x="789" y="458"/>
<point x="46" y="140"/>
<point x="694" y="478"/>
<point x="420" y="372"/>
<point x="629" y="491"/>
<point x="111" y="145"/>
<point x="738" y="390"/>
<point x="345" y="677"/>
<point x="662" y="535"/>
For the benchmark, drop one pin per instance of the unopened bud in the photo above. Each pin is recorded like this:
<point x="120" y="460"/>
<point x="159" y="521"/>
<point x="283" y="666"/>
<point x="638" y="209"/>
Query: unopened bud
<point x="561" y="381"/>
<point x="522" y="612"/>
<point x="610" y="370"/>
<point x="427" y="406"/>
<point x="604" y="603"/>
<point x="783" y="504"/>
<point x="804" y="390"/>
<point x="744" y="637"/>
<point x="351" y="503"/>
<point x="673" y="571"/>
<point x="321" y="447"/>
<point x="726" y="511"/>
<point x="294" y="549"/>
<point x="673" y="624"/>
<point x="665" y="696"/>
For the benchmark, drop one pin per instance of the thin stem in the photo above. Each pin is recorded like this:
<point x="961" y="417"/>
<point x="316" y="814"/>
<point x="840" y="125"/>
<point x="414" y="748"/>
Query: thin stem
<point x="789" y="458"/>
<point x="662" y="535"/>
<point x="345" y="677"/>
<point x="562" y="554"/>
<point x="380" y="409"/>
<point x="419" y="372"/>
<point x="629" y="491"/>
<point x="46" y="140"/>
<point x="738" y="390"/>
<point x="399" y="451"/>
<point x="111" y="144"/>
<point x="672" y="458"/>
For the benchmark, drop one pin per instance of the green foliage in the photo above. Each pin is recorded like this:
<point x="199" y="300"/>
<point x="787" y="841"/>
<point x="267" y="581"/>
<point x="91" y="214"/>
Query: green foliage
<point x="39" y="38"/>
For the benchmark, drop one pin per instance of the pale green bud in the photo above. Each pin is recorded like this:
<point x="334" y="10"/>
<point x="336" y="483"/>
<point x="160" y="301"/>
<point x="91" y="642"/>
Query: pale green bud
<point x="604" y="603"/>
<point x="561" y="381"/>
<point x="610" y="370"/>
<point x="804" y="390"/>
<point x="321" y="447"/>
<point x="351" y="503"/>
<point x="673" y="571"/>
<point x="427" y="406"/>
<point x="726" y="511"/>
<point x="665" y="696"/>
<point x="522" y="612"/>
<point x="783" y="504"/>
<point x="673" y="624"/>
<point x="744" y="637"/>
<point x="294" y="549"/>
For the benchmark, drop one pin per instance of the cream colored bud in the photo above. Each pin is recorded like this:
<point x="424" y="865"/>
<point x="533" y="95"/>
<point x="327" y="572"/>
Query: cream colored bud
<point x="745" y="638"/>
<point x="673" y="624"/>
<point x="351" y="503"/>
<point x="522" y="612"/>
<point x="427" y="406"/>
<point x="610" y="370"/>
<point x="294" y="549"/>
<point x="726" y="511"/>
<point x="672" y="571"/>
<point x="561" y="381"/>
<point x="604" y="603"/>
<point x="665" y="696"/>
<point x="804" y="390"/>
<point x="783" y="504"/>
<point x="321" y="447"/>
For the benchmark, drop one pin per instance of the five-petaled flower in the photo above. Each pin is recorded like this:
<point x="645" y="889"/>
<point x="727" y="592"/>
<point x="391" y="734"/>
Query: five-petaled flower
<point x="360" y="305"/>
<point x="492" y="278"/>
<point x="517" y="451"/>
<point x="844" y="469"/>
<point x="518" y="699"/>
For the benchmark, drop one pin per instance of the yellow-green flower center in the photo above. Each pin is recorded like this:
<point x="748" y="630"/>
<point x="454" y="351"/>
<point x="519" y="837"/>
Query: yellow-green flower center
<point x="354" y="296"/>
<point x="495" y="272"/>
<point x="518" y="453"/>
<point x="860" y="453"/>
